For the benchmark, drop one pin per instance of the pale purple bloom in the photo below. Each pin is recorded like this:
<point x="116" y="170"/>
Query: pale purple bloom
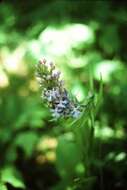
<point x="54" y="93"/>
<point x="56" y="74"/>
<point x="76" y="112"/>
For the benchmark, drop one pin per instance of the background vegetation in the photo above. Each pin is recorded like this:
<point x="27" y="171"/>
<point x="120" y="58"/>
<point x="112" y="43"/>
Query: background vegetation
<point x="81" y="37"/>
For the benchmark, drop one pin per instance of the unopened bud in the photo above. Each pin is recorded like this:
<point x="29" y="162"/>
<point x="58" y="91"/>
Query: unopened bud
<point x="42" y="61"/>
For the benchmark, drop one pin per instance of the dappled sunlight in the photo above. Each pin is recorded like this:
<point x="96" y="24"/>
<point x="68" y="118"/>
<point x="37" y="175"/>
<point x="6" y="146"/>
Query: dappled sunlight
<point x="106" y="68"/>
<point x="63" y="120"/>
<point x="58" y="41"/>
<point x="116" y="157"/>
<point x="78" y="92"/>
<point x="4" y="82"/>
<point x="77" y="62"/>
<point x="46" y="149"/>
<point x="104" y="133"/>
<point x="121" y="156"/>
<point x="13" y="61"/>
<point x="47" y="143"/>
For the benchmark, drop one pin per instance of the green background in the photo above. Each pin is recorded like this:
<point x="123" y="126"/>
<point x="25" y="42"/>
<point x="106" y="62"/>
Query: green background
<point x="82" y="38"/>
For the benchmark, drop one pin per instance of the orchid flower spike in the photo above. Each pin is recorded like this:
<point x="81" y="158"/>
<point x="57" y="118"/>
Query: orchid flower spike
<point x="54" y="93"/>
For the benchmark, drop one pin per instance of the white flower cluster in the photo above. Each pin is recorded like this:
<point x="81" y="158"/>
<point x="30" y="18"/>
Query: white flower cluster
<point x="54" y="93"/>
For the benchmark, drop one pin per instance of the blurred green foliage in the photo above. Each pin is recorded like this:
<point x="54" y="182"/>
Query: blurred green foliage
<point x="83" y="38"/>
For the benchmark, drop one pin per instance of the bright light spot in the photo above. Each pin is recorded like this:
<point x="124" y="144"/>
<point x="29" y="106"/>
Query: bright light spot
<point x="78" y="92"/>
<point x="51" y="156"/>
<point x="106" y="68"/>
<point x="120" y="156"/>
<point x="3" y="79"/>
<point x="35" y="48"/>
<point x="33" y="85"/>
<point x="104" y="132"/>
<point x="79" y="33"/>
<point x="80" y="168"/>
<point x="12" y="61"/>
<point x="54" y="41"/>
<point x="60" y="41"/>
<point x="119" y="133"/>
<point x="69" y="136"/>
<point x="77" y="62"/>
<point x="47" y="143"/>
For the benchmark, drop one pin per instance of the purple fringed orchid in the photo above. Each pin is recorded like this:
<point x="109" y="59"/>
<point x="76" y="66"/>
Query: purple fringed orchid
<point x="54" y="93"/>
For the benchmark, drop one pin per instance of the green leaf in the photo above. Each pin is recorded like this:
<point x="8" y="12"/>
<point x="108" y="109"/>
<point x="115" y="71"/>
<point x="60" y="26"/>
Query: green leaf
<point x="2" y="186"/>
<point x="68" y="156"/>
<point x="10" y="175"/>
<point x="99" y="96"/>
<point x="110" y="34"/>
<point x="27" y="142"/>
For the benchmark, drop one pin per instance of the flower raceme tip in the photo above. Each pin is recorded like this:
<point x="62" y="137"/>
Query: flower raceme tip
<point x="54" y="93"/>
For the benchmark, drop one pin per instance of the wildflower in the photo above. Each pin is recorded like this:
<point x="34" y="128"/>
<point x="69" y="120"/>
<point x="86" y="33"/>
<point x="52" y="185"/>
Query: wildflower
<point x="54" y="92"/>
<point x="76" y="112"/>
